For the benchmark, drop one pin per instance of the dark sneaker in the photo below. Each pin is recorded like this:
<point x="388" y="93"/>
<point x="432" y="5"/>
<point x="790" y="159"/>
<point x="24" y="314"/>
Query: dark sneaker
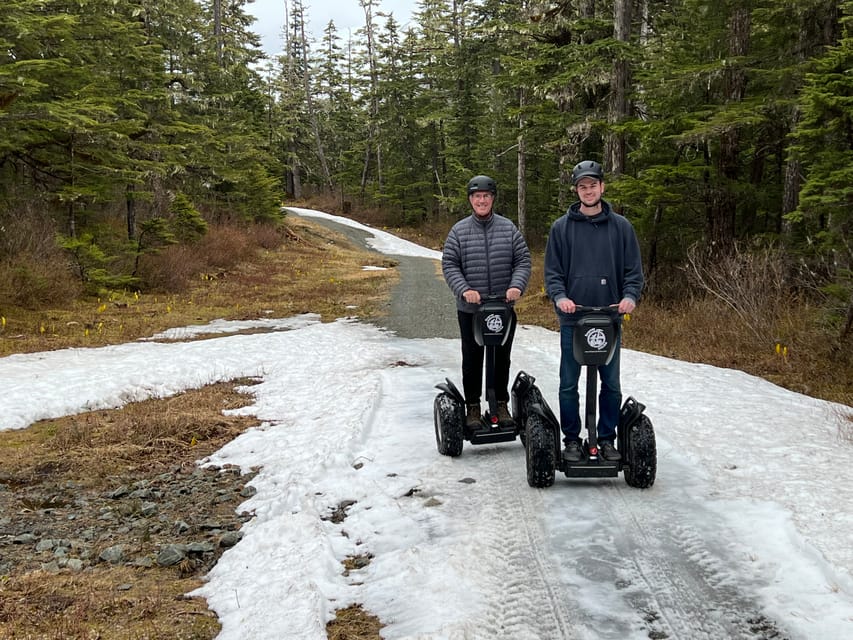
<point x="608" y="451"/>
<point x="504" y="417"/>
<point x="472" y="418"/>
<point x="572" y="452"/>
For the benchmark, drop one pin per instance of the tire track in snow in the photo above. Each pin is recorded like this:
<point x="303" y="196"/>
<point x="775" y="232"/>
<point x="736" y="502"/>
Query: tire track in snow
<point x="524" y="598"/>
<point x="671" y="573"/>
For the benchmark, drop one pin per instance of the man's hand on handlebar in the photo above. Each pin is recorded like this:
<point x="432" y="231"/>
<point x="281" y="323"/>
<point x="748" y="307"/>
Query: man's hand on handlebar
<point x="471" y="296"/>
<point x="567" y="305"/>
<point x="626" y="305"/>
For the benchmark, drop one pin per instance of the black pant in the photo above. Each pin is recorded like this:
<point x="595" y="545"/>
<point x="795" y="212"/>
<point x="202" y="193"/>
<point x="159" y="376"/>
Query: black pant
<point x="472" y="361"/>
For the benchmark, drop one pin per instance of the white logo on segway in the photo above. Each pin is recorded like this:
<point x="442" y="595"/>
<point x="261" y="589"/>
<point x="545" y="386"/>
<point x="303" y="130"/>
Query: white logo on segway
<point x="596" y="338"/>
<point x="494" y="323"/>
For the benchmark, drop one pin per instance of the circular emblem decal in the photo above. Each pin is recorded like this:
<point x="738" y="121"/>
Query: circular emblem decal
<point x="596" y="339"/>
<point x="494" y="323"/>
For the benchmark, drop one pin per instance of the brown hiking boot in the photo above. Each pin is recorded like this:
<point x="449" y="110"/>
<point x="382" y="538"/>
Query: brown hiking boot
<point x="504" y="417"/>
<point x="472" y="418"/>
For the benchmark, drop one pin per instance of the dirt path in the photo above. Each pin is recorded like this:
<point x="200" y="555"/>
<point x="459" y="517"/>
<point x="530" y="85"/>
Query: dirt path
<point x="421" y="305"/>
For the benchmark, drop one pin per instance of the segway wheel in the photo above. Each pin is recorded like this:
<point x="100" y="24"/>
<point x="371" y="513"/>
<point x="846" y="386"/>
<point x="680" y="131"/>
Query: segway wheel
<point x="641" y="454"/>
<point x="541" y="455"/>
<point x="449" y="417"/>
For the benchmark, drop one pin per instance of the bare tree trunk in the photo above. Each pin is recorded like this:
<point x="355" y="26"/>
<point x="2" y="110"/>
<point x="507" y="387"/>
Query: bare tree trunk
<point x="296" y="176"/>
<point x="130" y="202"/>
<point x="652" y="254"/>
<point x="576" y="133"/>
<point x="618" y="107"/>
<point x="72" y="215"/>
<point x="312" y="112"/>
<point x="791" y="192"/>
<point x="522" y="168"/>
<point x="436" y="175"/>
<point x="722" y="206"/>
<point x="565" y="172"/>
<point x="367" y="5"/>
<point x="217" y="30"/>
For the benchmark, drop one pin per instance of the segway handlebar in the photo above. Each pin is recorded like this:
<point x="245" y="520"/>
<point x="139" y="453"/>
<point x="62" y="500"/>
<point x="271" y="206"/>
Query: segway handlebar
<point x="612" y="309"/>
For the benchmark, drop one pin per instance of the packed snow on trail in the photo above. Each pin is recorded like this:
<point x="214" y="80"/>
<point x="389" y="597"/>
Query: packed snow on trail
<point x="745" y="533"/>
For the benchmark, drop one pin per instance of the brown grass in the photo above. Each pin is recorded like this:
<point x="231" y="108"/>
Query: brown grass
<point x="119" y="603"/>
<point x="312" y="271"/>
<point x="150" y="435"/>
<point x="354" y="623"/>
<point x="89" y="451"/>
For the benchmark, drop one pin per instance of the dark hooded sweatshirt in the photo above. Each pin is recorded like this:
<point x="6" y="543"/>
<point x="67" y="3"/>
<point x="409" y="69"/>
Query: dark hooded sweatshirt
<point x="594" y="261"/>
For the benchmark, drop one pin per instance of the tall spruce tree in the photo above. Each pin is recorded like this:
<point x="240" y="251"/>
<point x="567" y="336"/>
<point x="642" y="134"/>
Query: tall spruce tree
<point x="824" y="144"/>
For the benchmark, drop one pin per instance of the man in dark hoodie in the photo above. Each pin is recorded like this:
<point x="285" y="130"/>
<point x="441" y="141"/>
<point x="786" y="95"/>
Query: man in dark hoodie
<point x="592" y="259"/>
<point x="484" y="255"/>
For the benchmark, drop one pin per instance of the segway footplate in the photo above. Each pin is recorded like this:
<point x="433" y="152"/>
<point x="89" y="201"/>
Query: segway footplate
<point x="587" y="468"/>
<point x="486" y="434"/>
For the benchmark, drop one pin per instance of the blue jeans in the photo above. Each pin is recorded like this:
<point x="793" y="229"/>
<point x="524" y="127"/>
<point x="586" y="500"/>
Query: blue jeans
<point x="609" y="396"/>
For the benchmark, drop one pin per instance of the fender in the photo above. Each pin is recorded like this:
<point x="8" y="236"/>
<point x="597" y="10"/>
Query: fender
<point x="450" y="389"/>
<point x="629" y="415"/>
<point x="630" y="412"/>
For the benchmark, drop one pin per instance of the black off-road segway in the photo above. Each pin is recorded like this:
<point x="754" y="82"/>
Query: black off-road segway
<point x="492" y="325"/>
<point x="593" y="345"/>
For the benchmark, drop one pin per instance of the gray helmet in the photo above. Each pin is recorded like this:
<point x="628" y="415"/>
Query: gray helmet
<point x="482" y="183"/>
<point x="587" y="169"/>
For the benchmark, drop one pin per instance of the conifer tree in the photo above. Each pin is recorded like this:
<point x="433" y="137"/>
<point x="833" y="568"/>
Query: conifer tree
<point x="824" y="144"/>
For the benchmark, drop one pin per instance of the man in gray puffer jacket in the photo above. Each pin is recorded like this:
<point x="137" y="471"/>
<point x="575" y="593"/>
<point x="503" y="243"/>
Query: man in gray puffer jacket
<point x="484" y="255"/>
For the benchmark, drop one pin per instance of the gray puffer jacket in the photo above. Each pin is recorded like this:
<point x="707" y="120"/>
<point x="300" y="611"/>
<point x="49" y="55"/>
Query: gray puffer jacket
<point x="488" y="255"/>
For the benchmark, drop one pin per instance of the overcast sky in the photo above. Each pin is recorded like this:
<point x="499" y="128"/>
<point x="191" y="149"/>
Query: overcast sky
<point x="347" y="14"/>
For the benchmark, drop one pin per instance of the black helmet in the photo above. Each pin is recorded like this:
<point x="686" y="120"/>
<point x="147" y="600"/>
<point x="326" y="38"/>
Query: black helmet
<point x="482" y="183"/>
<point x="587" y="169"/>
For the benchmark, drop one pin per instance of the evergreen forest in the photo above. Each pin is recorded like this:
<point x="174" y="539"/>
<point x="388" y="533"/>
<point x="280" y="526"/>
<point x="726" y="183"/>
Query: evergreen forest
<point x="725" y="128"/>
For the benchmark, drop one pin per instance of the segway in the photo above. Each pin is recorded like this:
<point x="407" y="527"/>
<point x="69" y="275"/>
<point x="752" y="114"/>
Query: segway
<point x="492" y="324"/>
<point x="593" y="345"/>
